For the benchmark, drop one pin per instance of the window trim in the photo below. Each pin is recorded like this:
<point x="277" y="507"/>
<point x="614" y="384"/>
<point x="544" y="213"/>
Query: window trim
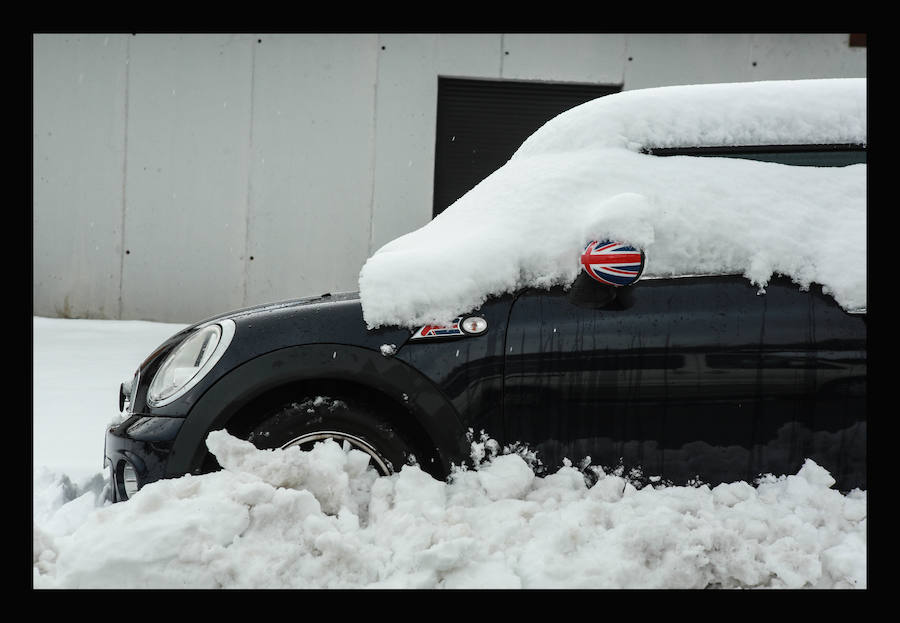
<point x="750" y="149"/>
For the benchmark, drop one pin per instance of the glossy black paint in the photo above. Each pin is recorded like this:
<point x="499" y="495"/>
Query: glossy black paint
<point x="691" y="379"/>
<point x="321" y="339"/>
<point x="468" y="370"/>
<point x="146" y="443"/>
<point x="262" y="329"/>
<point x="682" y="378"/>
<point x="415" y="400"/>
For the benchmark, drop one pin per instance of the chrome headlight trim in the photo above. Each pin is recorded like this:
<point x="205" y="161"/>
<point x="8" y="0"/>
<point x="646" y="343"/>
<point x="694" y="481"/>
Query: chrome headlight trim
<point x="227" y="328"/>
<point x="129" y="480"/>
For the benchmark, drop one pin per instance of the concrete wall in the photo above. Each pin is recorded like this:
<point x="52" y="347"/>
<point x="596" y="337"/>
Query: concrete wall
<point x="177" y="176"/>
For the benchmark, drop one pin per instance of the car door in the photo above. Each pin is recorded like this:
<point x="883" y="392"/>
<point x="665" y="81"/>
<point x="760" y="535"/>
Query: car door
<point x="686" y="379"/>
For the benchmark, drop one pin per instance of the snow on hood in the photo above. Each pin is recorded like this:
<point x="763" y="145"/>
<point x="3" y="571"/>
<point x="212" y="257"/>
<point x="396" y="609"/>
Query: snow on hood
<point x="582" y="177"/>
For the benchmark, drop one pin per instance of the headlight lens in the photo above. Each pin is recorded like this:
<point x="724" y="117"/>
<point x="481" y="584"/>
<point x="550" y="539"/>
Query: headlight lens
<point x="188" y="363"/>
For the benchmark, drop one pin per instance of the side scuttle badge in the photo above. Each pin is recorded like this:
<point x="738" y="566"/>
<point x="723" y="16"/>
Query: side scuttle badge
<point x="471" y="325"/>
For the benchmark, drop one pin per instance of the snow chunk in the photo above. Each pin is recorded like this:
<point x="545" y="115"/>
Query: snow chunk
<point x="507" y="476"/>
<point x="330" y="474"/>
<point x="580" y="178"/>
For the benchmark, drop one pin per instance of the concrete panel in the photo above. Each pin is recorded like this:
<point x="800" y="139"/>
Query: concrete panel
<point x="653" y="60"/>
<point x="469" y="55"/>
<point x="311" y="179"/>
<point x="78" y="150"/>
<point x="596" y="58"/>
<point x="406" y="114"/>
<point x="187" y="175"/>
<point x="786" y="57"/>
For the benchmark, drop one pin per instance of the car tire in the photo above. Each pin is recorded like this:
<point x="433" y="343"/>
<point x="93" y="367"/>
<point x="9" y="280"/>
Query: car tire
<point x="312" y="419"/>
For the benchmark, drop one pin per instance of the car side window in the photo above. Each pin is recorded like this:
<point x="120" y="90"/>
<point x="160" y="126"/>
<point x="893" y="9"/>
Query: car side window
<point x="794" y="155"/>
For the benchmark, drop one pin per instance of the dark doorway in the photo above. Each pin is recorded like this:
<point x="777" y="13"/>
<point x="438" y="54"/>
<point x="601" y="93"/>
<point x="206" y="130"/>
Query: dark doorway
<point x="481" y="123"/>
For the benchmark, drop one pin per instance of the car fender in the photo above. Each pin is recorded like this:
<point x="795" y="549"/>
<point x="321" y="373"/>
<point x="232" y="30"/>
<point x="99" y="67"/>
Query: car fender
<point x="361" y="366"/>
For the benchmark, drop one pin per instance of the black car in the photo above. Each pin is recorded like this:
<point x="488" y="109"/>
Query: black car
<point x="685" y="379"/>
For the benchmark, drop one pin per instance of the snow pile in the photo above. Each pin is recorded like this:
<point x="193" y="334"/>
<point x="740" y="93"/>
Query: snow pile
<point x="292" y="519"/>
<point x="60" y="506"/>
<point x="581" y="177"/>
<point x="777" y="112"/>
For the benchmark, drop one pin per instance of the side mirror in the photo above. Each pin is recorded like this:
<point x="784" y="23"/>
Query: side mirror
<point x="612" y="263"/>
<point x="607" y="269"/>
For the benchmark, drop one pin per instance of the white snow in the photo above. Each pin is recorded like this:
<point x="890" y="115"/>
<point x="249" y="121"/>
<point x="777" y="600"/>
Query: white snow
<point x="77" y="366"/>
<point x="777" y="112"/>
<point x="581" y="177"/>
<point x="289" y="519"/>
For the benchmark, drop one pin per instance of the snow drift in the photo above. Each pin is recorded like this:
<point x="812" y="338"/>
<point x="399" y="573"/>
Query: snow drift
<point x="319" y="519"/>
<point x="582" y="177"/>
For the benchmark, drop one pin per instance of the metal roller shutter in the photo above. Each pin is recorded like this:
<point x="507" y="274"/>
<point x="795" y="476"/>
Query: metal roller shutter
<point x="481" y="123"/>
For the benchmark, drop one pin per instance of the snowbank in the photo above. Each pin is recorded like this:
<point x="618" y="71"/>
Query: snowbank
<point x="581" y="177"/>
<point x="292" y="519"/>
<point x="77" y="366"/>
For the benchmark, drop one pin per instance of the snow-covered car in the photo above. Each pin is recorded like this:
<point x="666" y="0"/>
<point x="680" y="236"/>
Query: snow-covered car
<point x="740" y="351"/>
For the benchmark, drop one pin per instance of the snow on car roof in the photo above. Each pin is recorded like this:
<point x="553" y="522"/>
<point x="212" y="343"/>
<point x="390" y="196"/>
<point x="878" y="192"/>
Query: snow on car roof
<point x="582" y="177"/>
<point x="784" y="112"/>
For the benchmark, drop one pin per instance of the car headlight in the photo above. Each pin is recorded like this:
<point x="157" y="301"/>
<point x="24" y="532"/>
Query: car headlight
<point x="189" y="362"/>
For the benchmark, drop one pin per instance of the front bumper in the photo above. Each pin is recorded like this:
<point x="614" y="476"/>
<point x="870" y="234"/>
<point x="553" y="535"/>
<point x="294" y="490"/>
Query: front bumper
<point x="145" y="444"/>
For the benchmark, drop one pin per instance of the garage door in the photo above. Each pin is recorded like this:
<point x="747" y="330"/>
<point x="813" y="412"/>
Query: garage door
<point x="481" y="123"/>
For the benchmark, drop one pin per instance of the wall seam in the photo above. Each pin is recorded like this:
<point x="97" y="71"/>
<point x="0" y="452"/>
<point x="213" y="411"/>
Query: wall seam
<point x="124" y="175"/>
<point x="374" y="146"/>
<point x="250" y="161"/>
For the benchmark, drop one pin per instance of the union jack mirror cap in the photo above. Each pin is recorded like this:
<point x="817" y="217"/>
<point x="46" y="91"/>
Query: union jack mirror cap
<point x="612" y="263"/>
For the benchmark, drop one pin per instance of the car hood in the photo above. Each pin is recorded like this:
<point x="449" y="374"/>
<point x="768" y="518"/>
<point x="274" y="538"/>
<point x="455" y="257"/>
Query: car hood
<point x="324" y="319"/>
<point x="286" y="305"/>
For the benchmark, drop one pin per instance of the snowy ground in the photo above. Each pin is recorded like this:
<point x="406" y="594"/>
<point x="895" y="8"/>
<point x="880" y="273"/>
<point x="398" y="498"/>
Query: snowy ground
<point x="291" y="519"/>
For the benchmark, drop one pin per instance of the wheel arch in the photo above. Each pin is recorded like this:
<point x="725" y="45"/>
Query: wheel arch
<point x="235" y="401"/>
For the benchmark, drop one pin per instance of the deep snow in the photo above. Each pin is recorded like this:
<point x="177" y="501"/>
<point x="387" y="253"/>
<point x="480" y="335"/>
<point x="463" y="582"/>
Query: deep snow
<point x="289" y="519"/>
<point x="581" y="177"/>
